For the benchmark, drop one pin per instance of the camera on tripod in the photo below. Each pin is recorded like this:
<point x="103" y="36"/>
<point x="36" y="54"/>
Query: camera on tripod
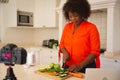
<point x="10" y="55"/>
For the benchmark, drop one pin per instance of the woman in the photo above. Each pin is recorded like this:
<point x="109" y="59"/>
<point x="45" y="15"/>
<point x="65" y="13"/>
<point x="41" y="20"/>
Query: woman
<point x="80" y="43"/>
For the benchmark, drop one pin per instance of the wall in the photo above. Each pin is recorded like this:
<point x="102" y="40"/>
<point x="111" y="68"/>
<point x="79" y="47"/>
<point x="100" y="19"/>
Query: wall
<point x="45" y="34"/>
<point x="29" y="36"/>
<point x="21" y="36"/>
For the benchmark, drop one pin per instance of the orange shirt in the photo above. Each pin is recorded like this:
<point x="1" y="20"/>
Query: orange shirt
<point x="83" y="42"/>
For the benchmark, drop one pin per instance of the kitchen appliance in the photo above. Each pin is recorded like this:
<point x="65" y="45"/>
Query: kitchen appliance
<point x="45" y="43"/>
<point x="4" y="1"/>
<point x="24" y="18"/>
<point x="50" y="43"/>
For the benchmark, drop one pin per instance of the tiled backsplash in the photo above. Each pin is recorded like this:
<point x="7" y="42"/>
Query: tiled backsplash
<point x="99" y="18"/>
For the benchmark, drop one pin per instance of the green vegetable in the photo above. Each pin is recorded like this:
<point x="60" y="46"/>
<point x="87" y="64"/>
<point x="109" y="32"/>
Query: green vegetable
<point x="42" y="69"/>
<point x="61" y="72"/>
<point x="55" y="68"/>
<point x="50" y="69"/>
<point x="57" y="74"/>
<point x="52" y="65"/>
<point x="63" y="75"/>
<point x="66" y="72"/>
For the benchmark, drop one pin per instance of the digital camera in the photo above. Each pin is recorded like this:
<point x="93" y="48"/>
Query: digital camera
<point x="10" y="54"/>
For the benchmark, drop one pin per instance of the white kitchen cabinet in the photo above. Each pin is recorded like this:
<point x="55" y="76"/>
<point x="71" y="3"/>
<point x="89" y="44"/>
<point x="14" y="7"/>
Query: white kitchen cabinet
<point x="43" y="56"/>
<point x="43" y="10"/>
<point x="45" y="14"/>
<point x="9" y="14"/>
<point x="110" y="63"/>
<point x="25" y="5"/>
<point x="47" y="56"/>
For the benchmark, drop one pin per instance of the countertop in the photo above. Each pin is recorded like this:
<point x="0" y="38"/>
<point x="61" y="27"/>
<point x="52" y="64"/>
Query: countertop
<point x="111" y="56"/>
<point x="23" y="73"/>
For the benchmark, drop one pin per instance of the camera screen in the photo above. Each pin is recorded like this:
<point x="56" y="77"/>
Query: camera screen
<point x="6" y="56"/>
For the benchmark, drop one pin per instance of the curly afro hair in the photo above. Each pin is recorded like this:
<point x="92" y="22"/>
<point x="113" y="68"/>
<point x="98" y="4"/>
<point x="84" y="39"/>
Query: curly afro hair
<point x="82" y="7"/>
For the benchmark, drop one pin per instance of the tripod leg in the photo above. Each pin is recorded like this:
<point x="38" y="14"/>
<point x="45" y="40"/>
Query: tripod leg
<point x="10" y="74"/>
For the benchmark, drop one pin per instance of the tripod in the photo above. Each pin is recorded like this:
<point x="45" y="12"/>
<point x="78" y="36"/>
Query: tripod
<point x="10" y="74"/>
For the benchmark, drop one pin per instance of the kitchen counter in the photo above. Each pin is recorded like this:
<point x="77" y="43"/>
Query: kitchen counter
<point x="23" y="73"/>
<point x="110" y="55"/>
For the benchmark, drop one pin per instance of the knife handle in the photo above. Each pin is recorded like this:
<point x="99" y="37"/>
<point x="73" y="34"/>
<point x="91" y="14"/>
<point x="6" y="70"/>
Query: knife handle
<point x="64" y="66"/>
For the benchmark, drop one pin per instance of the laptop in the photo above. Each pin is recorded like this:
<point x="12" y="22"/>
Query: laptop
<point x="102" y="74"/>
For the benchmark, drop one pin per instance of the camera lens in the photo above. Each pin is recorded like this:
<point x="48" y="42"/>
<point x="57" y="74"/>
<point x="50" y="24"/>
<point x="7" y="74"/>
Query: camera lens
<point x="14" y="59"/>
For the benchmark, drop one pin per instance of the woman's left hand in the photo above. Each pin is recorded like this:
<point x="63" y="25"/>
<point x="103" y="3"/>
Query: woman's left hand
<point x="74" y="68"/>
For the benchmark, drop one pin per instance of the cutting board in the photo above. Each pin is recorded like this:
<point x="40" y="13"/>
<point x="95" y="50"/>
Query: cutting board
<point x="47" y="74"/>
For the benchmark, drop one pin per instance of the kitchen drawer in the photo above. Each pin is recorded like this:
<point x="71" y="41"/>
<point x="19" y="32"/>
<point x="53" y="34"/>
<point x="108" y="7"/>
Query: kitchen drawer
<point x="110" y="63"/>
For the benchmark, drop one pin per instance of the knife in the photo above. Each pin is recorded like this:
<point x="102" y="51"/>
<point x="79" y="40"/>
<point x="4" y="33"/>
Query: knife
<point x="64" y="66"/>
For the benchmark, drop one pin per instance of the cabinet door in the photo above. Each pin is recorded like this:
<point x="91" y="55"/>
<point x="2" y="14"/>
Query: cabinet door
<point x="45" y="15"/>
<point x="10" y="14"/>
<point x="43" y="57"/>
<point x="53" y="57"/>
<point x="110" y="63"/>
<point x="48" y="56"/>
<point x="25" y="5"/>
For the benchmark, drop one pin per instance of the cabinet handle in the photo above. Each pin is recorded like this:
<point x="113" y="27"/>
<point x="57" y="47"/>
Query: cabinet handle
<point x="51" y="57"/>
<point x="51" y="51"/>
<point x="115" y="60"/>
